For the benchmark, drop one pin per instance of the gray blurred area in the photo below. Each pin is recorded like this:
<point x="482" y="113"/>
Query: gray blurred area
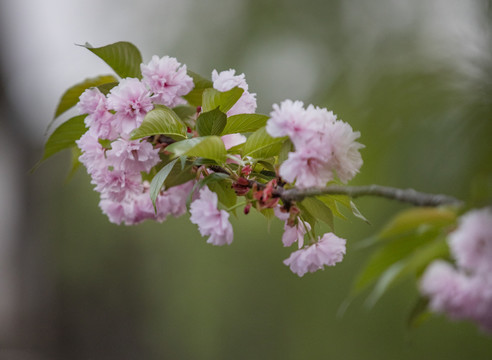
<point x="415" y="77"/>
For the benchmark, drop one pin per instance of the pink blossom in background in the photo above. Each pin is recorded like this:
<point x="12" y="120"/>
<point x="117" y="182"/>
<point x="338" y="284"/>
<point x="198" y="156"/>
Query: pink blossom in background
<point x="464" y="292"/>
<point x="167" y="79"/>
<point x="227" y="80"/>
<point x="131" y="101"/>
<point x="459" y="295"/>
<point x="471" y="242"/>
<point x="447" y="289"/>
<point x="328" y="251"/>
<point x="133" y="156"/>
<point x="210" y="220"/>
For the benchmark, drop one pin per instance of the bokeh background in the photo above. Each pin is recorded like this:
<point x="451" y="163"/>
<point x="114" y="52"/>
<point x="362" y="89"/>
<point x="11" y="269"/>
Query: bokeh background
<point x="415" y="77"/>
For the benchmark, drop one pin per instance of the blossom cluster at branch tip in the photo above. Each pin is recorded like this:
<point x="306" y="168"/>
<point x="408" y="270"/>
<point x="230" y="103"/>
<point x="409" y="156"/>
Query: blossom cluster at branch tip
<point x="324" y="146"/>
<point x="464" y="291"/>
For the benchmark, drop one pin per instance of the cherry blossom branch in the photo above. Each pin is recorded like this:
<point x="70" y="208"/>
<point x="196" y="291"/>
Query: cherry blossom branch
<point x="410" y="196"/>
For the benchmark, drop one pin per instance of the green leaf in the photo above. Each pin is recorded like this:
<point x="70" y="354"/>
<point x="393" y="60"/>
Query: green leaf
<point x="265" y="165"/>
<point x="319" y="210"/>
<point x="210" y="147"/>
<point x="357" y="213"/>
<point x="76" y="152"/>
<point x="214" y="177"/>
<point x="419" y="313"/>
<point x="106" y="88"/>
<point x="331" y="202"/>
<point x="194" y="97"/>
<point x="226" y="195"/>
<point x="389" y="254"/>
<point x="211" y="122"/>
<point x="71" y="97"/>
<point x="184" y="112"/>
<point x="213" y="99"/>
<point x="161" y="121"/>
<point x="260" y="145"/>
<point x="410" y="220"/>
<point x="306" y="215"/>
<point x="64" y="136"/>
<point x="286" y="148"/>
<point x="179" y="176"/>
<point x="415" y="263"/>
<point x="123" y="57"/>
<point x="158" y="181"/>
<point x="244" y="123"/>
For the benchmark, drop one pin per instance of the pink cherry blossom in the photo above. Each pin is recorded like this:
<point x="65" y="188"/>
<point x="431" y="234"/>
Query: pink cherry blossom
<point x="464" y="292"/>
<point x="173" y="201"/>
<point x="131" y="101"/>
<point x="103" y="125"/>
<point x="138" y="207"/>
<point x="345" y="156"/>
<point x="295" y="233"/>
<point x="116" y="211"/>
<point x="93" y="155"/>
<point x="305" y="127"/>
<point x="133" y="156"/>
<point x="130" y="211"/>
<point x="231" y="140"/>
<point x="308" y="167"/>
<point x="210" y="220"/>
<point x="117" y="185"/>
<point x="286" y="119"/>
<point x="167" y="79"/>
<point x="459" y="295"/>
<point x="328" y="251"/>
<point x="324" y="146"/>
<point x="227" y="80"/>
<point x="446" y="288"/>
<point x="471" y="242"/>
<point x="92" y="101"/>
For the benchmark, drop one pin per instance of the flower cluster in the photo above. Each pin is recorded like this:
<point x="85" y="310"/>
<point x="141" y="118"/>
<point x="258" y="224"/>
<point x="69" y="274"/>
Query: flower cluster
<point x="464" y="292"/>
<point x="116" y="169"/>
<point x="324" y="146"/>
<point x="121" y="165"/>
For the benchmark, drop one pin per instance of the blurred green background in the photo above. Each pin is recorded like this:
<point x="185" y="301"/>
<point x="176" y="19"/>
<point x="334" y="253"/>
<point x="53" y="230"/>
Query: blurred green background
<point x="415" y="78"/>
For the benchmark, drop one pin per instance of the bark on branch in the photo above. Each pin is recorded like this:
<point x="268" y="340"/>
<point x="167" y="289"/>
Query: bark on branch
<point x="410" y="196"/>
